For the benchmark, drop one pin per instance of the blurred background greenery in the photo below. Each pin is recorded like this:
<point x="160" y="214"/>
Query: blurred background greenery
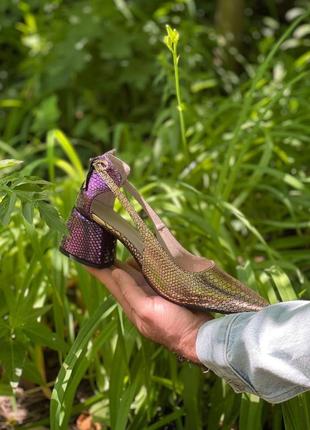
<point x="80" y="77"/>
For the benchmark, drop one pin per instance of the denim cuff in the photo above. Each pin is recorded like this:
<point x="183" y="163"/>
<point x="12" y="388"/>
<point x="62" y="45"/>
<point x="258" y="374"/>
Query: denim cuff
<point x="263" y="353"/>
<point x="211" y="348"/>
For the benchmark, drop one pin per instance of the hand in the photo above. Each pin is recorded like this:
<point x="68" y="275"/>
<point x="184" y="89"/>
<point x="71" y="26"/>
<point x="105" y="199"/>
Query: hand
<point x="156" y="318"/>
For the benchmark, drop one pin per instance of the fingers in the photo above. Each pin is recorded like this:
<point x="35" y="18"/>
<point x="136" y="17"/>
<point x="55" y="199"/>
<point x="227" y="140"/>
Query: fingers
<point x="124" y="288"/>
<point x="106" y="278"/>
<point x="156" y="318"/>
<point x="139" y="278"/>
<point x="137" y="275"/>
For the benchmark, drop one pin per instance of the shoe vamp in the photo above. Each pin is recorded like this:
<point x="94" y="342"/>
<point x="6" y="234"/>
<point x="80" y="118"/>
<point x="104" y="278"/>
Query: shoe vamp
<point x="226" y="284"/>
<point x="209" y="289"/>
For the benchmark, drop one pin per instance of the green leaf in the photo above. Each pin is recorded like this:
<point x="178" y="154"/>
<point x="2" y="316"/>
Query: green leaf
<point x="283" y="284"/>
<point x="241" y="217"/>
<point x="9" y="164"/>
<point x="7" y="207"/>
<point x="191" y="394"/>
<point x="46" y="115"/>
<point x="6" y="390"/>
<point x="124" y="405"/>
<point x="58" y="136"/>
<point x="12" y="357"/>
<point x="27" y="210"/>
<point x="167" y="419"/>
<point x="74" y="365"/>
<point x="42" y="335"/>
<point x="250" y="412"/>
<point x="52" y="217"/>
<point x="117" y="377"/>
<point x="296" y="413"/>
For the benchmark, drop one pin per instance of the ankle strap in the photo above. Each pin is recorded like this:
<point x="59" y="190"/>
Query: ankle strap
<point x="101" y="168"/>
<point x="161" y="229"/>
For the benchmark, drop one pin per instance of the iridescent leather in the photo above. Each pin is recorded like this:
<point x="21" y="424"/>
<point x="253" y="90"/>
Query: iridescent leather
<point x="95" y="185"/>
<point x="209" y="290"/>
<point x="87" y="242"/>
<point x="92" y="241"/>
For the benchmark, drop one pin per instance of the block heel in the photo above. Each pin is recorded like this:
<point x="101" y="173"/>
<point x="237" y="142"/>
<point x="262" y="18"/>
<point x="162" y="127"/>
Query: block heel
<point x="87" y="242"/>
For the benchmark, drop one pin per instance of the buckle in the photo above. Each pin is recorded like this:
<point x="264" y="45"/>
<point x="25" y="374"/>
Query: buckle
<point x="102" y="163"/>
<point x="101" y="167"/>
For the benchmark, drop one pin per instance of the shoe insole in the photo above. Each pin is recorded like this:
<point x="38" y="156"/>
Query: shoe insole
<point x="185" y="260"/>
<point x="113" y="219"/>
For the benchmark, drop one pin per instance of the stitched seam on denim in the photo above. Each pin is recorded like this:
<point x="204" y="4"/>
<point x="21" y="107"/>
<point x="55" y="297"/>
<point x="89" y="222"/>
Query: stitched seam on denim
<point x="225" y="359"/>
<point x="295" y="389"/>
<point x="213" y="365"/>
<point x="237" y="373"/>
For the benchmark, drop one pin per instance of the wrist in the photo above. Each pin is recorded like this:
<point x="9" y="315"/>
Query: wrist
<point x="186" y="348"/>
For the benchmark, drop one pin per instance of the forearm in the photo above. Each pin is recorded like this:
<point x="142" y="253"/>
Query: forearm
<point x="266" y="353"/>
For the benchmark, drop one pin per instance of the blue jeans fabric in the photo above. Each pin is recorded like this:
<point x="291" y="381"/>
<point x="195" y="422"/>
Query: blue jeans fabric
<point x="266" y="353"/>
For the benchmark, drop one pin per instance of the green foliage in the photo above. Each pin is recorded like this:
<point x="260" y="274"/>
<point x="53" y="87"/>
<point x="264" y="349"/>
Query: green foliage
<point x="30" y="193"/>
<point x="228" y="171"/>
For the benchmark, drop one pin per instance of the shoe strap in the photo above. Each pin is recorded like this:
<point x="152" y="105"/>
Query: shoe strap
<point x="162" y="231"/>
<point x="142" y="228"/>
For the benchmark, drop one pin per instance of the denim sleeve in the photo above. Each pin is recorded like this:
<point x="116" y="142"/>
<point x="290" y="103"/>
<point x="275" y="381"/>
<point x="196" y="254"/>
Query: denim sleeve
<point x="266" y="353"/>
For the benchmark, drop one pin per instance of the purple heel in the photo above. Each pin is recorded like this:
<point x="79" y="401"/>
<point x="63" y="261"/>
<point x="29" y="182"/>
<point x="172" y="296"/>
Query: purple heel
<point x="87" y="242"/>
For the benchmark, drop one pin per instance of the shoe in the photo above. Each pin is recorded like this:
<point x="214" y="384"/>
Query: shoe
<point x="172" y="271"/>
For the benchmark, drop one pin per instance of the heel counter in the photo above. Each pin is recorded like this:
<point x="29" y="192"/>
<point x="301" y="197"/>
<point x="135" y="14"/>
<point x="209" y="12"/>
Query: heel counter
<point x="95" y="185"/>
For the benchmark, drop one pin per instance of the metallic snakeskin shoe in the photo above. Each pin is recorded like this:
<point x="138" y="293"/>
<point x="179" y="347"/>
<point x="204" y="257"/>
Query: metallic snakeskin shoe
<point x="172" y="271"/>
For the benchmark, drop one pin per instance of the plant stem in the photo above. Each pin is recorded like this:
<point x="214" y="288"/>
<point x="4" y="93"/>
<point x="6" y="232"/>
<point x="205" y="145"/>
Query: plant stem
<point x="180" y="105"/>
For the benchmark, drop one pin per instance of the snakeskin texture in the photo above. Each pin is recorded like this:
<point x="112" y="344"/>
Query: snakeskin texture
<point x="211" y="289"/>
<point x="88" y="243"/>
<point x="125" y="241"/>
<point x="94" y="185"/>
